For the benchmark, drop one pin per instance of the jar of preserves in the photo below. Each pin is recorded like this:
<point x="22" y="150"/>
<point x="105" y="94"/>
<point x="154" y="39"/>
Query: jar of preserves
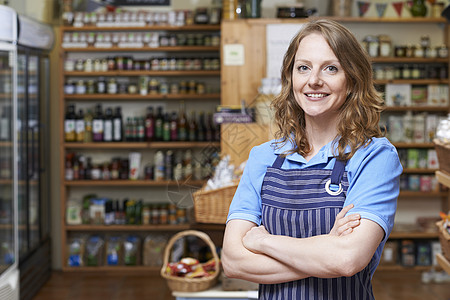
<point x="442" y="51"/>
<point x="385" y="45"/>
<point x="112" y="86"/>
<point x="101" y="85"/>
<point x="419" y="51"/>
<point x="399" y="51"/>
<point x="80" y="88"/>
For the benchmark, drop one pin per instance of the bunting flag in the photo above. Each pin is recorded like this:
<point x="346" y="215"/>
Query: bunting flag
<point x="381" y="9"/>
<point x="363" y="7"/>
<point x="398" y="6"/>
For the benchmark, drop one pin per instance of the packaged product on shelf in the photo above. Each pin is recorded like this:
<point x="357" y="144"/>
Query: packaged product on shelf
<point x="114" y="251"/>
<point x="75" y="251"/>
<point x="425" y="183"/>
<point x="419" y="128"/>
<point x="413" y="158"/>
<point x="97" y="211"/>
<point x="131" y="251"/>
<point x="94" y="251"/>
<point x="437" y="94"/>
<point x="73" y="213"/>
<point x="414" y="183"/>
<point x="423" y="254"/>
<point x="432" y="160"/>
<point x="135" y="163"/>
<point x="389" y="255"/>
<point x="408" y="253"/>
<point x="153" y="249"/>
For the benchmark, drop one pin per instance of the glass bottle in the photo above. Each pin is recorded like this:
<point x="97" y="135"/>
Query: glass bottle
<point x="159" y="124"/>
<point x="88" y="126"/>
<point x="79" y="126"/>
<point x="97" y="125"/>
<point x="166" y="127"/>
<point x="174" y="127"/>
<point x="419" y="9"/>
<point x="108" y="126"/>
<point x="117" y="125"/>
<point x="182" y="124"/>
<point x="149" y="125"/>
<point x="69" y="124"/>
<point x="192" y="127"/>
<point x="140" y="130"/>
<point x="201" y="128"/>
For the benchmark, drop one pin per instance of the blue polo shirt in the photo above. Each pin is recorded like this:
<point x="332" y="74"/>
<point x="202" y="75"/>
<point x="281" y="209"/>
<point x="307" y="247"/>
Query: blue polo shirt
<point x="373" y="174"/>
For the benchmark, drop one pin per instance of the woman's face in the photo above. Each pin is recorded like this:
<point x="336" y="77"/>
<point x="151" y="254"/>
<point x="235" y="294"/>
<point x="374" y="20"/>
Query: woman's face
<point x="318" y="80"/>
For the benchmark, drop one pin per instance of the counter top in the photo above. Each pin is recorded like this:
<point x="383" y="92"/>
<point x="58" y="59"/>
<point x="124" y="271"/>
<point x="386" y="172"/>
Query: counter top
<point x="216" y="293"/>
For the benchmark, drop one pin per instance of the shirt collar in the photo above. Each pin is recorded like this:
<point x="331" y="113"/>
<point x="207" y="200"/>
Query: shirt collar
<point x="321" y="157"/>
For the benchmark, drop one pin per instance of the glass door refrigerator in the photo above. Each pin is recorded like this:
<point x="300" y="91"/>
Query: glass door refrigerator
<point x="30" y="159"/>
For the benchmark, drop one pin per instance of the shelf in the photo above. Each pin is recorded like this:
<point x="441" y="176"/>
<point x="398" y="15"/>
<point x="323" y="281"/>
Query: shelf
<point x="147" y="73"/>
<point x="388" y="20"/>
<point x="113" y="269"/>
<point x="443" y="262"/>
<point x="418" y="171"/>
<point x="142" y="145"/>
<point x="412" y="81"/>
<point x="116" y="228"/>
<point x="418" y="194"/>
<point x="116" y="97"/>
<point x="143" y="183"/>
<point x="6" y="144"/>
<point x="413" y="235"/>
<point x="394" y="59"/>
<point x="145" y="49"/>
<point x="414" y="145"/>
<point x="427" y="108"/>
<point x="144" y="28"/>
<point x="403" y="268"/>
<point x="443" y="178"/>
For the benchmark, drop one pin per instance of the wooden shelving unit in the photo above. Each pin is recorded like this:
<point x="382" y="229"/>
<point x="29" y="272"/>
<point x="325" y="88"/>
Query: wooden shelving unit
<point x="443" y="178"/>
<point x="210" y="97"/>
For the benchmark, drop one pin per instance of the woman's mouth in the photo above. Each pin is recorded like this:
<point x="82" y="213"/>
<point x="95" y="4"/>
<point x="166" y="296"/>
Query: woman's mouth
<point x="316" y="95"/>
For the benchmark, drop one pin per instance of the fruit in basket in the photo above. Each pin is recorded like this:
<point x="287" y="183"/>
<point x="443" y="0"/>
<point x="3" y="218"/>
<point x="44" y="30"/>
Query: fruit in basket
<point x="191" y="268"/>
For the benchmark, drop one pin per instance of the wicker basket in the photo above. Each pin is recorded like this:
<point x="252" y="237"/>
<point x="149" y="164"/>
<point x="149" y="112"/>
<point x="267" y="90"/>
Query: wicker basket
<point x="212" y="206"/>
<point x="190" y="284"/>
<point x="443" y="154"/>
<point x="444" y="238"/>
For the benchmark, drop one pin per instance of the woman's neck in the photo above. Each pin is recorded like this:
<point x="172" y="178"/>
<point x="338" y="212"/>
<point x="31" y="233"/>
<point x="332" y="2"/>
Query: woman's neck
<point x="319" y="134"/>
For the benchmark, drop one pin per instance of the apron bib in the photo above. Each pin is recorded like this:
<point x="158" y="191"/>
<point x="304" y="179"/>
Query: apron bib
<point x="302" y="203"/>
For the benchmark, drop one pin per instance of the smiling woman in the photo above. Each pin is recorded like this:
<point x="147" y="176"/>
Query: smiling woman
<point x="289" y="226"/>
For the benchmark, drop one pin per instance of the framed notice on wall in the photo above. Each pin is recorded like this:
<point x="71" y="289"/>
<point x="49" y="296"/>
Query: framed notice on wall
<point x="278" y="37"/>
<point x="138" y="2"/>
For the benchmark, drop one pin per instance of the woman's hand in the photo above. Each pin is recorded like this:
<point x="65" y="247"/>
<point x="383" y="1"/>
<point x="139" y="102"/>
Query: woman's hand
<point x="344" y="225"/>
<point x="252" y="240"/>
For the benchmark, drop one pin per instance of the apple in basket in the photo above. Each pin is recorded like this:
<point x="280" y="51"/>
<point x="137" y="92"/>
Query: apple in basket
<point x="191" y="268"/>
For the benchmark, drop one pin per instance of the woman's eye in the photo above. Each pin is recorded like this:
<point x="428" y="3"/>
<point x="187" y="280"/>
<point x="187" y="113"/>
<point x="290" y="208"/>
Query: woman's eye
<point x="332" y="69"/>
<point x="302" y="68"/>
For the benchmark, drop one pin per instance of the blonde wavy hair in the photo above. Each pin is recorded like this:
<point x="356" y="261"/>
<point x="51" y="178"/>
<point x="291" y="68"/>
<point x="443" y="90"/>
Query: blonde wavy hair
<point x="360" y="113"/>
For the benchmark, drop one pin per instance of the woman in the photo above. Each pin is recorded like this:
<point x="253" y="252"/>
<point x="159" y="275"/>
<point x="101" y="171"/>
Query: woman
<point x="328" y="154"/>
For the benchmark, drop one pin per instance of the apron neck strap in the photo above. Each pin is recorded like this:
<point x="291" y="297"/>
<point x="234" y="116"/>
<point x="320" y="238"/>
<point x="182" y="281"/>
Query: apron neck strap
<point x="338" y="171"/>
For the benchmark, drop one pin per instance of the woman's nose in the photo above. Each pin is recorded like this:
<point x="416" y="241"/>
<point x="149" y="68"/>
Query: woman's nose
<point x="314" y="79"/>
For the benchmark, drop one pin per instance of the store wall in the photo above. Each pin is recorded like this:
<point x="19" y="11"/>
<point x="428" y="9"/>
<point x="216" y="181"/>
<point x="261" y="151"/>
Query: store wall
<point x="46" y="10"/>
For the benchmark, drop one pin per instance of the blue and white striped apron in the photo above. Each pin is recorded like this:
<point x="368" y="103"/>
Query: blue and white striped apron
<point x="296" y="203"/>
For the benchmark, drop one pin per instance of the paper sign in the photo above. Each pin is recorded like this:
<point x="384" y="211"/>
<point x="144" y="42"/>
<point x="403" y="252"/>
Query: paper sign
<point x="233" y="55"/>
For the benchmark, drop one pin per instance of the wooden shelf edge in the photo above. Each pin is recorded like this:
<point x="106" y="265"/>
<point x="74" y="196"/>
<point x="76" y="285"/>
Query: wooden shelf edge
<point x="443" y="177"/>
<point x="443" y="262"/>
<point x="141" y="145"/>
<point x="141" y="182"/>
<point x="106" y="228"/>
<point x="143" y="28"/>
<point x="155" y="270"/>
<point x="396" y="235"/>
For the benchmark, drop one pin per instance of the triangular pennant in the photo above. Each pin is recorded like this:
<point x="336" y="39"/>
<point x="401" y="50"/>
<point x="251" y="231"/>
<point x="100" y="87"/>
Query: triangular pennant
<point x="381" y="8"/>
<point x="398" y="6"/>
<point x="363" y="7"/>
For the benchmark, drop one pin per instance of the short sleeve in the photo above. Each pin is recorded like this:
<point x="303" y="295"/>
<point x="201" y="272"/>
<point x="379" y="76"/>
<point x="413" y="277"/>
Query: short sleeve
<point x="374" y="185"/>
<point x="246" y="204"/>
